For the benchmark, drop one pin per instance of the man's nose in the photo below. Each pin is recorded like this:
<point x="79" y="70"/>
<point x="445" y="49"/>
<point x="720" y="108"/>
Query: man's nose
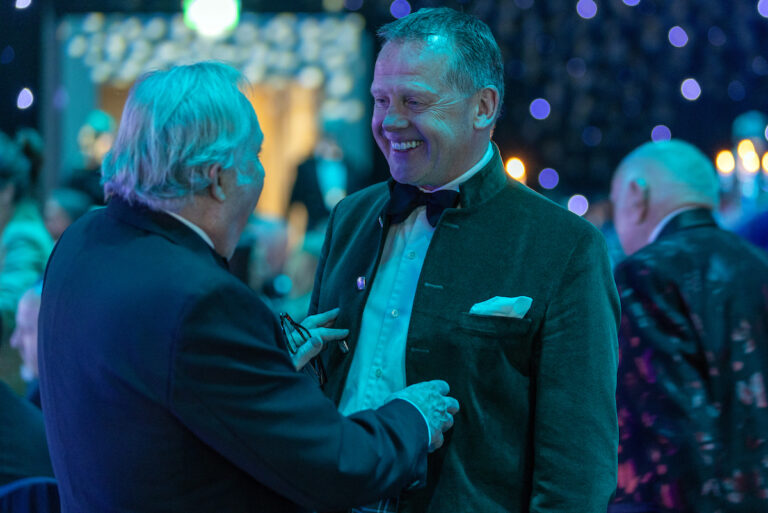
<point x="394" y="119"/>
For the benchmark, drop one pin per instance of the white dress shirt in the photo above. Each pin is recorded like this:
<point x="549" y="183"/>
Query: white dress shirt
<point x="378" y="366"/>
<point x="664" y="222"/>
<point x="193" y="227"/>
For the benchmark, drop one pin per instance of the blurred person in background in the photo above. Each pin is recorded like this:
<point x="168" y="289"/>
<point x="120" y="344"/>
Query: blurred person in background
<point x="167" y="384"/>
<point x="453" y="268"/>
<point x="692" y="402"/>
<point x="24" y="242"/>
<point x="24" y="340"/>
<point x="63" y="207"/>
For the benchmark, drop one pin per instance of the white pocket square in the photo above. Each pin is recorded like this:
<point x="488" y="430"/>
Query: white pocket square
<point x="514" y="307"/>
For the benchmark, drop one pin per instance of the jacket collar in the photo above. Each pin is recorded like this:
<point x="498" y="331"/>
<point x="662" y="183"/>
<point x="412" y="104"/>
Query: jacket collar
<point x="162" y="224"/>
<point x="481" y="187"/>
<point x="687" y="219"/>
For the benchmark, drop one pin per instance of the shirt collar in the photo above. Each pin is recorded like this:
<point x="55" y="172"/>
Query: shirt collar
<point x="192" y="226"/>
<point x="664" y="222"/>
<point x="454" y="184"/>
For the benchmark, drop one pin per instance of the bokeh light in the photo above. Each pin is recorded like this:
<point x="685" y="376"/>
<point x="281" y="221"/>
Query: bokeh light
<point x="578" y="204"/>
<point x="752" y="162"/>
<point x="516" y="169"/>
<point x="661" y="133"/>
<point x="762" y="8"/>
<point x="725" y="162"/>
<point x="592" y="136"/>
<point x="25" y="99"/>
<point x="540" y="108"/>
<point x="765" y="162"/>
<point x="333" y="5"/>
<point x="765" y="134"/>
<point x="400" y="8"/>
<point x="23" y="4"/>
<point x="745" y="147"/>
<point x="677" y="36"/>
<point x="631" y="3"/>
<point x="548" y="178"/>
<point x="211" y="18"/>
<point x="587" y="9"/>
<point x="690" y="89"/>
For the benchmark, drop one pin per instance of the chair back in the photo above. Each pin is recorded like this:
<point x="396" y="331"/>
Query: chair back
<point x="30" y="495"/>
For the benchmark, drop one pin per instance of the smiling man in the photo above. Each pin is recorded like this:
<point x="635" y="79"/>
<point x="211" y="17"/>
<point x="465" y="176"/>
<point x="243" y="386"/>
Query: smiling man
<point x="453" y="269"/>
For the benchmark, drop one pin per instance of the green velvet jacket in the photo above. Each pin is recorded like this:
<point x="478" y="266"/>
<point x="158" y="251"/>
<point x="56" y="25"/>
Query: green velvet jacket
<point x="537" y="430"/>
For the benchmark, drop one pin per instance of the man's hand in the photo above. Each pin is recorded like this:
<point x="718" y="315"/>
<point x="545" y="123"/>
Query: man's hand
<point x="318" y="327"/>
<point x="431" y="398"/>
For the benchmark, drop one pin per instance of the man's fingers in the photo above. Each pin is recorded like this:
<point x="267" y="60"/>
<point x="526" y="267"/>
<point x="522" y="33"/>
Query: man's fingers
<point x="441" y="386"/>
<point x="322" y="319"/>
<point x="327" y="334"/>
<point x="452" y="405"/>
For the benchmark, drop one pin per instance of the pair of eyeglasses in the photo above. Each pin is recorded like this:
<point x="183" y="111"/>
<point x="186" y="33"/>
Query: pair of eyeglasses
<point x="292" y="329"/>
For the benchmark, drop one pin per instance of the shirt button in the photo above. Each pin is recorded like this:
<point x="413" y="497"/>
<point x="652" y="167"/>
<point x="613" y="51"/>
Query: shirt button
<point x="395" y="313"/>
<point x="411" y="255"/>
<point x="378" y="373"/>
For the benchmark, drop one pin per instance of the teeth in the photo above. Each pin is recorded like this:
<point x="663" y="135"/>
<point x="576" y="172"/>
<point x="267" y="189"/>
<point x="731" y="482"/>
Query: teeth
<point x="405" y="145"/>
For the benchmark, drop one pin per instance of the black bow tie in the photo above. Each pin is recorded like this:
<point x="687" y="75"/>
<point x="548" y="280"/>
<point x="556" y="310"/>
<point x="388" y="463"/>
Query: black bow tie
<point x="405" y="198"/>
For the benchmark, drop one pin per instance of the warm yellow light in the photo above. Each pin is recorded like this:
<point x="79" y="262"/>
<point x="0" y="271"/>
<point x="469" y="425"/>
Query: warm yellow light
<point x="725" y="162"/>
<point x="765" y="162"/>
<point x="516" y="169"/>
<point x="752" y="162"/>
<point x="744" y="148"/>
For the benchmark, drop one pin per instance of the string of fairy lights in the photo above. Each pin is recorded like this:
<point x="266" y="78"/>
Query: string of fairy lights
<point x="742" y="165"/>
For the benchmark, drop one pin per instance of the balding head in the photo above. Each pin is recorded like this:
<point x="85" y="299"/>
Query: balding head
<point x="653" y="181"/>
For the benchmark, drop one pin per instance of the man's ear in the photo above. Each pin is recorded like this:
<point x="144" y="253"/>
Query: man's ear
<point x="639" y="194"/>
<point x="486" y="108"/>
<point x="217" y="188"/>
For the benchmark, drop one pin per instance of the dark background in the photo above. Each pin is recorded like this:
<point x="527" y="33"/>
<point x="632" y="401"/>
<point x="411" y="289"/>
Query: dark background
<point x="631" y="79"/>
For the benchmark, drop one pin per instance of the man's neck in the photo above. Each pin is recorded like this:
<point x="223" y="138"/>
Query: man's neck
<point x="453" y="184"/>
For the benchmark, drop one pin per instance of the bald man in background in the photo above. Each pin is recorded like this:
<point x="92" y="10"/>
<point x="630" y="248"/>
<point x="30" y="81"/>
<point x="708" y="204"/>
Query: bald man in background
<point x="693" y="342"/>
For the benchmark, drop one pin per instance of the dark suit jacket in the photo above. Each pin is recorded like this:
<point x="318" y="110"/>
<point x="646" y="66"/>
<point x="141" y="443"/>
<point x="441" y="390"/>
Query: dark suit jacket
<point x="692" y="401"/>
<point x="23" y="450"/>
<point x="166" y="386"/>
<point x="537" y="428"/>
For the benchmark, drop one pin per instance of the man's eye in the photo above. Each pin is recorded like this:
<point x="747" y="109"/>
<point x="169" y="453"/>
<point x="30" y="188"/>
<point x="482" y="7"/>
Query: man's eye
<point x="413" y="103"/>
<point x="380" y="102"/>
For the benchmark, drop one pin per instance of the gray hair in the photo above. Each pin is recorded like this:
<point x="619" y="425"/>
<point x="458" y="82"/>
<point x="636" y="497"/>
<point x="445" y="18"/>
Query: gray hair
<point x="476" y="58"/>
<point x="175" y="125"/>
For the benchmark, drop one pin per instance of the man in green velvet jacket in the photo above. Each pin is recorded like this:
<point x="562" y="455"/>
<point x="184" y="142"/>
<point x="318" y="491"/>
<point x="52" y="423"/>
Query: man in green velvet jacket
<point x="472" y="277"/>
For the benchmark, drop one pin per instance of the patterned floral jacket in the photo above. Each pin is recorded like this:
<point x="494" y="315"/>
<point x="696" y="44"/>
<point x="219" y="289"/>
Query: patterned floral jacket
<point x="693" y="369"/>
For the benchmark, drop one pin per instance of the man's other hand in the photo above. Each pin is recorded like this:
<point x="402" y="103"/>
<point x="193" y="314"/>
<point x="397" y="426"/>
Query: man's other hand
<point x="320" y="331"/>
<point x="431" y="398"/>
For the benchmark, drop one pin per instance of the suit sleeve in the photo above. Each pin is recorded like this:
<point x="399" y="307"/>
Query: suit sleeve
<point x="575" y="426"/>
<point x="235" y="388"/>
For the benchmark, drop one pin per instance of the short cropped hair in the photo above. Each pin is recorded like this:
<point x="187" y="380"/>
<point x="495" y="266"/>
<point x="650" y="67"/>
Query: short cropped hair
<point x="682" y="173"/>
<point x="476" y="58"/>
<point x="14" y="167"/>
<point x="175" y="125"/>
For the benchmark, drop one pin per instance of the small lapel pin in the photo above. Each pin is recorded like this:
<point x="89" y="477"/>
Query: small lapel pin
<point x="343" y="347"/>
<point x="381" y="221"/>
<point x="360" y="282"/>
